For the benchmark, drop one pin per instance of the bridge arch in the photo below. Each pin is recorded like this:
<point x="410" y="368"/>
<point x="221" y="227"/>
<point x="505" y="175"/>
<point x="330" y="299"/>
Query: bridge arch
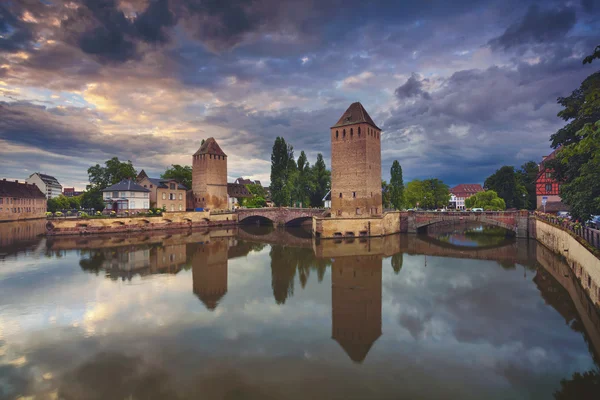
<point x="483" y="220"/>
<point x="298" y="220"/>
<point x="256" y="219"/>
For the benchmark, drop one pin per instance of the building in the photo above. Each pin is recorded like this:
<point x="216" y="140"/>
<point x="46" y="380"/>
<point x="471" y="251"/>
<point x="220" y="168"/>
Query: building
<point x="236" y="192"/>
<point x="209" y="176"/>
<point x="71" y="192"/>
<point x="126" y="196"/>
<point x="242" y="181"/>
<point x="459" y="193"/>
<point x="356" y="164"/>
<point x="20" y="201"/>
<point x="167" y="194"/>
<point x="49" y="185"/>
<point x="547" y="189"/>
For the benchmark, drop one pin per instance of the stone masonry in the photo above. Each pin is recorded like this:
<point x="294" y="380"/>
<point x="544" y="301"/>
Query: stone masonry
<point x="209" y="176"/>
<point x="355" y="164"/>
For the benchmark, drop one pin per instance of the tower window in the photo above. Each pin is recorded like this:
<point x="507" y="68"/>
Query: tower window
<point x="337" y="134"/>
<point x="359" y="131"/>
<point x="548" y="187"/>
<point x="344" y="133"/>
<point x="354" y="194"/>
<point x="377" y="135"/>
<point x="351" y="132"/>
<point x="340" y="195"/>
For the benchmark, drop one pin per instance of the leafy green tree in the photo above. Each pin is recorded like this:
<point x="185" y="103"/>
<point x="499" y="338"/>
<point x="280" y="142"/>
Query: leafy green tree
<point x="255" y="202"/>
<point x="488" y="200"/>
<point x="576" y="162"/>
<point x="396" y="186"/>
<point x="527" y="176"/>
<point x="75" y="202"/>
<point x="182" y="174"/>
<point x="582" y="191"/>
<point x="415" y="194"/>
<point x="113" y="172"/>
<point x="92" y="198"/>
<point x="321" y="181"/>
<point x="397" y="261"/>
<point x="584" y="386"/>
<point x="280" y="160"/>
<point x="385" y="194"/>
<point x="506" y="184"/>
<point x="58" y="203"/>
<point x="428" y="194"/>
<point x="304" y="183"/>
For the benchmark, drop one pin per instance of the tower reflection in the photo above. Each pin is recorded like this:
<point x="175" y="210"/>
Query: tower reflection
<point x="209" y="270"/>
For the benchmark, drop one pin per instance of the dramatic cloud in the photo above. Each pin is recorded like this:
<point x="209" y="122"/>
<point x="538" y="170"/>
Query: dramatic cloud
<point x="458" y="90"/>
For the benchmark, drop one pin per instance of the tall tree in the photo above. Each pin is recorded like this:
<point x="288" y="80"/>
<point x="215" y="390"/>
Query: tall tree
<point x="576" y="164"/>
<point x="396" y="186"/>
<point x="527" y="176"/>
<point x="113" y="172"/>
<point x="182" y="174"/>
<point x="280" y="191"/>
<point x="505" y="183"/>
<point x="321" y="179"/>
<point x="304" y="184"/>
<point x="385" y="194"/>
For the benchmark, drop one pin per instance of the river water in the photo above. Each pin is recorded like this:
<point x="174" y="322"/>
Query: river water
<point x="462" y="312"/>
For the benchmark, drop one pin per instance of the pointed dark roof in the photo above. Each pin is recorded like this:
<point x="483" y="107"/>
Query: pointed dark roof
<point x="210" y="300"/>
<point x="355" y="114"/>
<point x="210" y="146"/>
<point x="141" y="175"/>
<point x="356" y="349"/>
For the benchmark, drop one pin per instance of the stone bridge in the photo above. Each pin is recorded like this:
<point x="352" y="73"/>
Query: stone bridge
<point x="516" y="221"/>
<point x="279" y="215"/>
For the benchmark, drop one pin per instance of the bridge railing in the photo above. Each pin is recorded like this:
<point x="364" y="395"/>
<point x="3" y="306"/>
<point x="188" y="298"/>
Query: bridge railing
<point x="590" y="235"/>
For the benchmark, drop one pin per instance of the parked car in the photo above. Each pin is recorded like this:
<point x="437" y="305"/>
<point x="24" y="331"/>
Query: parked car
<point x="594" y="222"/>
<point x="477" y="209"/>
<point x="563" y="214"/>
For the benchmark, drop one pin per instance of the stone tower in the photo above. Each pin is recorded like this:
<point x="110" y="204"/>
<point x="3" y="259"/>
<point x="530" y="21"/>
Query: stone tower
<point x="355" y="164"/>
<point x="209" y="176"/>
<point x="356" y="303"/>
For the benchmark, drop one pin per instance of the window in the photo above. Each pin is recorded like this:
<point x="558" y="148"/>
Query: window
<point x="172" y="186"/>
<point x="115" y="194"/>
<point x="351" y="132"/>
<point x="548" y="187"/>
<point x="1" y="200"/>
<point x="145" y="186"/>
<point x="171" y="196"/>
<point x="340" y="195"/>
<point x="359" y="131"/>
<point x="150" y="186"/>
<point x="180" y="207"/>
<point x="548" y="175"/>
<point x="354" y="194"/>
<point x="172" y="207"/>
<point x="180" y="196"/>
<point x="344" y="133"/>
<point x="164" y="196"/>
<point x="358" y="212"/>
<point x="337" y="134"/>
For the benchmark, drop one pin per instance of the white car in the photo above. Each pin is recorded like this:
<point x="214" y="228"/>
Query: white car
<point x="477" y="210"/>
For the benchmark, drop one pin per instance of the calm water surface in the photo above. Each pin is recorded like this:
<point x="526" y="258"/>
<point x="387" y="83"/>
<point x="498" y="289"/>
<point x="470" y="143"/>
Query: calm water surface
<point x="258" y="313"/>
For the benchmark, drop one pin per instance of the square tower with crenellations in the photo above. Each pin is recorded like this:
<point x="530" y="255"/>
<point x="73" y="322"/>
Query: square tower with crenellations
<point x="209" y="176"/>
<point x="355" y="164"/>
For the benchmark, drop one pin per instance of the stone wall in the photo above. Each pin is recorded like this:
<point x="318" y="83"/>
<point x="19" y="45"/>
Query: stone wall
<point x="584" y="264"/>
<point x="340" y="227"/>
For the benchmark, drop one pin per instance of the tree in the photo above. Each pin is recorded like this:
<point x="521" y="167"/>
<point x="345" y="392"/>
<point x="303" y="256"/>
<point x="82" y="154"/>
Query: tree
<point x="505" y="183"/>
<point x="92" y="198"/>
<point x="182" y="174"/>
<point x="581" y="386"/>
<point x="114" y="172"/>
<point x="582" y="191"/>
<point x="385" y="194"/>
<point x="576" y="162"/>
<point x="280" y="191"/>
<point x="396" y="186"/>
<point x="429" y="193"/>
<point x="527" y="176"/>
<point x="488" y="200"/>
<point x="321" y="182"/>
<point x="58" y="203"/>
<point x="304" y="183"/>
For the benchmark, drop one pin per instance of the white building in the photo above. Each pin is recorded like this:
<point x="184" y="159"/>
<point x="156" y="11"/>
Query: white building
<point x="327" y="200"/>
<point x="126" y="195"/>
<point x="49" y="185"/>
<point x="459" y="193"/>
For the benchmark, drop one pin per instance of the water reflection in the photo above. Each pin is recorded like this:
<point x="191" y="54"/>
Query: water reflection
<point x="471" y="234"/>
<point x="506" y="322"/>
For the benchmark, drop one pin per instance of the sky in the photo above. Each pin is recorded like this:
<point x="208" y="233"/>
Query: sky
<point x="459" y="88"/>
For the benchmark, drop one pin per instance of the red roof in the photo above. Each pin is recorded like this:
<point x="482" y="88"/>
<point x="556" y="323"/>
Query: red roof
<point x="465" y="190"/>
<point x="20" y="190"/>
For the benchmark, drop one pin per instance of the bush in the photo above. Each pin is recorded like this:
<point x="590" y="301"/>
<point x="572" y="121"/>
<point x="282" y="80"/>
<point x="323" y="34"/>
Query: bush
<point x="98" y="213"/>
<point x="150" y="212"/>
<point x="83" y="215"/>
<point x="113" y="213"/>
<point x="58" y="214"/>
<point x="48" y="214"/>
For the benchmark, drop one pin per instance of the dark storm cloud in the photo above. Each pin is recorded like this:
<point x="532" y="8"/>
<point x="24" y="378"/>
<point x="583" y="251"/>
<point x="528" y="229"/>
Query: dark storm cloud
<point x="537" y="26"/>
<point x="412" y="88"/>
<point x="69" y="132"/>
<point x="15" y="34"/>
